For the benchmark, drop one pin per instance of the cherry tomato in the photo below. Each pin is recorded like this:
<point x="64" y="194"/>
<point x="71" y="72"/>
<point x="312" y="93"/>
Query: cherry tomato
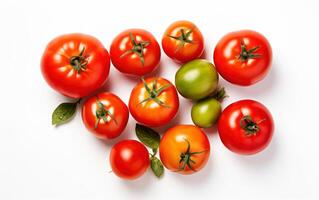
<point x="154" y="101"/>
<point x="243" y="57"/>
<point x="75" y="64"/>
<point x="246" y="127"/>
<point x="184" y="149"/>
<point x="136" y="52"/>
<point x="129" y="159"/>
<point x="183" y="41"/>
<point x="105" y="115"/>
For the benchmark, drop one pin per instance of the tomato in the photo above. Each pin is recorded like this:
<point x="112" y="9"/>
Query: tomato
<point x="184" y="149"/>
<point x="154" y="101"/>
<point x="105" y="115"/>
<point x="246" y="127"/>
<point x="75" y="64"/>
<point x="243" y="57"/>
<point x="196" y="79"/>
<point x="206" y="112"/>
<point x="135" y="52"/>
<point x="129" y="159"/>
<point x="183" y="41"/>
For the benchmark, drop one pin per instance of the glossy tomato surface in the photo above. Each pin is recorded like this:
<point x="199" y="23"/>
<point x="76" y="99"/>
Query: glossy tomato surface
<point x="243" y="57"/>
<point x="154" y="101"/>
<point x="184" y="149"/>
<point x="183" y="41"/>
<point x="129" y="159"/>
<point x="246" y="127"/>
<point x="135" y="52"/>
<point x="105" y="115"/>
<point x="75" y="64"/>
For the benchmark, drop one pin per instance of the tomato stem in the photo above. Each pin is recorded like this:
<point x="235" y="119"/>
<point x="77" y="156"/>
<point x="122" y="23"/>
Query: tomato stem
<point x="79" y="62"/>
<point x="183" y="38"/>
<point x="249" y="125"/>
<point x="220" y="94"/>
<point x="138" y="48"/>
<point x="102" y="113"/>
<point x="186" y="158"/>
<point x="246" y="54"/>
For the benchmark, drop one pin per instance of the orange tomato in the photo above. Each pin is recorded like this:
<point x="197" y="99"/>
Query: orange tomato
<point x="154" y="101"/>
<point x="183" y="41"/>
<point x="184" y="149"/>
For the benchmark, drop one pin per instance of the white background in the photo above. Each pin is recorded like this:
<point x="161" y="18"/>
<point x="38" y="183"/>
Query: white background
<point x="39" y="162"/>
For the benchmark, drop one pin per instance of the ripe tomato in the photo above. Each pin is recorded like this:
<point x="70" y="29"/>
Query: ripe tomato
<point x="135" y="51"/>
<point x="105" y="115"/>
<point x="154" y="101"/>
<point x="184" y="149"/>
<point x="243" y="57"/>
<point x="129" y="159"/>
<point x="246" y="127"/>
<point x="75" y="64"/>
<point x="183" y="41"/>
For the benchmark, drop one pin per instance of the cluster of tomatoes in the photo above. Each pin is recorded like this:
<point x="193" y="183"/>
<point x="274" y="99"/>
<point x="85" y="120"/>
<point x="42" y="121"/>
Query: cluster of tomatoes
<point x="76" y="65"/>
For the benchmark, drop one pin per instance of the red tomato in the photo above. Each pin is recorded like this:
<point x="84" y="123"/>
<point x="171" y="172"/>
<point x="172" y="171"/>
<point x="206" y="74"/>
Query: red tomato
<point x="75" y="64"/>
<point x="129" y="159"/>
<point x="243" y="57"/>
<point x="136" y="52"/>
<point x="246" y="127"/>
<point x="154" y="101"/>
<point x="183" y="41"/>
<point x="184" y="149"/>
<point x="105" y="115"/>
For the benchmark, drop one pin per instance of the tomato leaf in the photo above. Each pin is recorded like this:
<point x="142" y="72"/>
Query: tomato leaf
<point x="63" y="113"/>
<point x="147" y="136"/>
<point x="157" y="166"/>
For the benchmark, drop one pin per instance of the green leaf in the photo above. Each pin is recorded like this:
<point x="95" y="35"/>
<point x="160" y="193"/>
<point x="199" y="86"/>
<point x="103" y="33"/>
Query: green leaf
<point x="63" y="113"/>
<point x="148" y="136"/>
<point x="157" y="167"/>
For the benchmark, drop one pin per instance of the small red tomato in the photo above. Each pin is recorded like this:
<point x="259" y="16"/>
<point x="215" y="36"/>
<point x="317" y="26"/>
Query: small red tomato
<point x="135" y="52"/>
<point x="75" y="64"/>
<point x="183" y="41"/>
<point x="129" y="159"/>
<point x="246" y="127"/>
<point x="243" y="57"/>
<point x="154" y="101"/>
<point x="184" y="149"/>
<point x="105" y="115"/>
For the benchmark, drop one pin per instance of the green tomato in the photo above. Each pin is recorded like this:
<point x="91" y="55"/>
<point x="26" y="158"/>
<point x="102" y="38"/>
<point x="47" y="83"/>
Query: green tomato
<point x="206" y="112"/>
<point x="196" y="79"/>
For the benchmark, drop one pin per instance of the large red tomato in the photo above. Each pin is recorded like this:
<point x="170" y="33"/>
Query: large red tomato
<point x="154" y="101"/>
<point x="105" y="115"/>
<point x="136" y="52"/>
<point x="75" y="64"/>
<point x="129" y="159"/>
<point x="183" y="41"/>
<point x="184" y="149"/>
<point x="243" y="57"/>
<point x="246" y="127"/>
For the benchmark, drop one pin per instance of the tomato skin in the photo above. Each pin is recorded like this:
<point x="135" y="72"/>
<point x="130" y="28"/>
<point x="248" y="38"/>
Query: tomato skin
<point x="129" y="159"/>
<point x="131" y="63"/>
<point x="250" y="71"/>
<point x="115" y="126"/>
<point x="188" y="51"/>
<point x="174" y="143"/>
<point x="235" y="138"/>
<point x="61" y="76"/>
<point x="150" y="112"/>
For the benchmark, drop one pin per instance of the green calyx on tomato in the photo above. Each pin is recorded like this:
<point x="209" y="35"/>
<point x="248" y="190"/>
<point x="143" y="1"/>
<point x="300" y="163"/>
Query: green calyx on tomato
<point x="138" y="48"/>
<point x="186" y="158"/>
<point x="79" y="62"/>
<point x="249" y="125"/>
<point x="183" y="38"/>
<point x="154" y="92"/>
<point x="102" y="113"/>
<point x="246" y="54"/>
